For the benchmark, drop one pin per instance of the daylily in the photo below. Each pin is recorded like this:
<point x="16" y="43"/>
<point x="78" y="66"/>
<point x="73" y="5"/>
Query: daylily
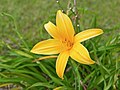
<point x="65" y="42"/>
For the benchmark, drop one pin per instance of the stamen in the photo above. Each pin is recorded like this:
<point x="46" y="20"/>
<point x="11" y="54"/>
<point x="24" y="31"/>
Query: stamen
<point x="67" y="44"/>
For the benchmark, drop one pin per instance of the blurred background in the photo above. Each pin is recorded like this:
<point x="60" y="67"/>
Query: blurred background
<point x="31" y="15"/>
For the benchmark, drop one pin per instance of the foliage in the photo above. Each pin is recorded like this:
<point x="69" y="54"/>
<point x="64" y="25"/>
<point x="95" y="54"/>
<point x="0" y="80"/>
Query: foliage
<point x="17" y="68"/>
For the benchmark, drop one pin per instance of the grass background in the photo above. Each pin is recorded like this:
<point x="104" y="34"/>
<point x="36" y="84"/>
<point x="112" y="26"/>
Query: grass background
<point x="30" y="16"/>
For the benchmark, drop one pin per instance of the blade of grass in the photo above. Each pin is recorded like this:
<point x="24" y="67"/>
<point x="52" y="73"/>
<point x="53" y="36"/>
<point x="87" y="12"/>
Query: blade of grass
<point x="15" y="28"/>
<point x="41" y="84"/>
<point x="58" y="81"/>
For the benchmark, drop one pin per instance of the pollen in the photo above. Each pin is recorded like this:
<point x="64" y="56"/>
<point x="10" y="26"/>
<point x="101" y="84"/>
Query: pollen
<point x="67" y="45"/>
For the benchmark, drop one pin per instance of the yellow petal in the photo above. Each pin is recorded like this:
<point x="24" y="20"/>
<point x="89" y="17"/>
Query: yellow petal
<point x="47" y="47"/>
<point x="45" y="57"/>
<point x="52" y="30"/>
<point x="80" y="54"/>
<point x="87" y="34"/>
<point x="59" y="88"/>
<point x="64" y="25"/>
<point x="61" y="63"/>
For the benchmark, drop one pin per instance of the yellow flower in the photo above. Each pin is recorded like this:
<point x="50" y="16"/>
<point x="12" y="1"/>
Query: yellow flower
<point x="59" y="88"/>
<point x="65" y="42"/>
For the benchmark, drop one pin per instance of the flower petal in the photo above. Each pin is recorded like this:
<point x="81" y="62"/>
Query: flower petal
<point x="52" y="30"/>
<point x="64" y="25"/>
<point x="80" y="54"/>
<point x="47" y="47"/>
<point x="87" y="34"/>
<point x="59" y="88"/>
<point x="61" y="63"/>
<point x="43" y="58"/>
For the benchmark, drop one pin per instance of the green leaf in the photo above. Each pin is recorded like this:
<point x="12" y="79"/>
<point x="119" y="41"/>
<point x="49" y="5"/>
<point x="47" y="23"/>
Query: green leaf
<point x="41" y="84"/>
<point x="22" y="53"/>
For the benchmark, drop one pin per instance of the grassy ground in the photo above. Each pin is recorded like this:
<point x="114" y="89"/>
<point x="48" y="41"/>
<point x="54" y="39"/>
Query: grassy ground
<point x="30" y="16"/>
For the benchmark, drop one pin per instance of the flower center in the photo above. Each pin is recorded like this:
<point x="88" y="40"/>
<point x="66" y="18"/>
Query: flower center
<point x="67" y="44"/>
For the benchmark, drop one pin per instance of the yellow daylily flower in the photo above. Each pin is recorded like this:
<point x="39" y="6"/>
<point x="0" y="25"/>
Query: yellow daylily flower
<point x="59" y="88"/>
<point x="65" y="42"/>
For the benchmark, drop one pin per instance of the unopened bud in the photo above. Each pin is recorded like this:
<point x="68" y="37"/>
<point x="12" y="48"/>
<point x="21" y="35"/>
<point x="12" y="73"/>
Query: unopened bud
<point x="57" y="1"/>
<point x="78" y="25"/>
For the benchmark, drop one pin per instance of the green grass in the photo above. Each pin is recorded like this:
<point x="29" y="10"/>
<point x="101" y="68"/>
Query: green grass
<point x="22" y="26"/>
